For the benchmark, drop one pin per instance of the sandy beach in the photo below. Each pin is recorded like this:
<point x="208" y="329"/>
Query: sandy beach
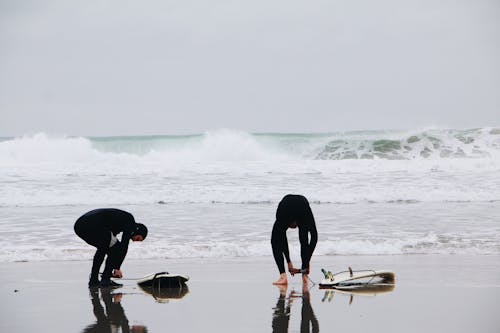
<point x="448" y="293"/>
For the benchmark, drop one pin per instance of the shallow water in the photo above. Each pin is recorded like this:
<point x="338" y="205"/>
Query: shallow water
<point x="243" y="230"/>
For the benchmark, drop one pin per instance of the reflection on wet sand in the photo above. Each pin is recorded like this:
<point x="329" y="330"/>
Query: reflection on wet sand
<point x="281" y="313"/>
<point x="364" y="290"/>
<point x="165" y="295"/>
<point x="111" y="317"/>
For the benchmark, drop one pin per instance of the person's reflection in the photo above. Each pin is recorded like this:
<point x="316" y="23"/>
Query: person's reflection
<point x="281" y="313"/>
<point x="113" y="319"/>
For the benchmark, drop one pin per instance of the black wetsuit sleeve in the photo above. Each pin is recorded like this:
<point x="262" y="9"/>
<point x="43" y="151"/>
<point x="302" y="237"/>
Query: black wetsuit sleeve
<point x="286" y="253"/>
<point x="118" y="252"/>
<point x="279" y="243"/>
<point x="121" y="222"/>
<point x="307" y="246"/>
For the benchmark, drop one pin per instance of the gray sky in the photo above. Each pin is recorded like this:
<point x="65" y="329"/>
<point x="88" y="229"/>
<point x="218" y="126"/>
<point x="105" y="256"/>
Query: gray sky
<point x="115" y="67"/>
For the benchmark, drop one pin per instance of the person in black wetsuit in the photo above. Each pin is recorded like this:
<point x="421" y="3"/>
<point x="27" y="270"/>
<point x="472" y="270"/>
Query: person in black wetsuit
<point x="293" y="211"/>
<point x="99" y="228"/>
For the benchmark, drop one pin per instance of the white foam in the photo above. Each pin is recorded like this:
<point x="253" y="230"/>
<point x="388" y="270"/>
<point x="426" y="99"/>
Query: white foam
<point x="228" y="166"/>
<point x="235" y="249"/>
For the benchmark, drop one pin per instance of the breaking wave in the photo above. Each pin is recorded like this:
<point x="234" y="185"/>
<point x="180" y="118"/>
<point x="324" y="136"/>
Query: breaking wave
<point x="231" y="145"/>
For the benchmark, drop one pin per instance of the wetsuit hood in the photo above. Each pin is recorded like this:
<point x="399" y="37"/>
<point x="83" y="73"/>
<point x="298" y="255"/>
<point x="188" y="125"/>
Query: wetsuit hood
<point x="141" y="229"/>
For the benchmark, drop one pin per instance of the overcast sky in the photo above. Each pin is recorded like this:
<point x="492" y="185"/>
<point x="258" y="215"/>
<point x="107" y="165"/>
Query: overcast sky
<point x="85" y="67"/>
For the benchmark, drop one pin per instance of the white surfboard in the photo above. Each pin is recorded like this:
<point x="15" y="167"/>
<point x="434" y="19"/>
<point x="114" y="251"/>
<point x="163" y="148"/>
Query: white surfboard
<point x="163" y="280"/>
<point x="352" y="279"/>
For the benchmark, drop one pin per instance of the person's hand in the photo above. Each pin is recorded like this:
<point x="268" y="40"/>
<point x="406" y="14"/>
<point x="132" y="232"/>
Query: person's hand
<point x="117" y="273"/>
<point x="292" y="270"/>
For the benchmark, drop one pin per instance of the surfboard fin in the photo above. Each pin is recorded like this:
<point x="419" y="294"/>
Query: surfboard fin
<point x="350" y="271"/>
<point x="328" y="275"/>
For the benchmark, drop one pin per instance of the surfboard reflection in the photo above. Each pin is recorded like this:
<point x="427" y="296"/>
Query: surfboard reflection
<point x="111" y="317"/>
<point x="360" y="290"/>
<point x="281" y="313"/>
<point x="165" y="295"/>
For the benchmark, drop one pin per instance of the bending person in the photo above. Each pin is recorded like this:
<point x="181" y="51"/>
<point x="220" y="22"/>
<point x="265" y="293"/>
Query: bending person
<point x="293" y="211"/>
<point x="99" y="228"/>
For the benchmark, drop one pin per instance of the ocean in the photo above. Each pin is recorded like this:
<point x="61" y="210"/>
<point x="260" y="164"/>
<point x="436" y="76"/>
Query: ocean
<point x="214" y="194"/>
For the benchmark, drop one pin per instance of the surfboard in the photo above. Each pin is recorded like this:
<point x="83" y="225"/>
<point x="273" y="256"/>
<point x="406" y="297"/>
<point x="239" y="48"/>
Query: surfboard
<point x="163" y="280"/>
<point x="352" y="279"/>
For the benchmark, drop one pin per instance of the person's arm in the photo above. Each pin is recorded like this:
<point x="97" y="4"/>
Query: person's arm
<point x="307" y="247"/>
<point x="118" y="252"/>
<point x="308" y="226"/>
<point x="286" y="252"/>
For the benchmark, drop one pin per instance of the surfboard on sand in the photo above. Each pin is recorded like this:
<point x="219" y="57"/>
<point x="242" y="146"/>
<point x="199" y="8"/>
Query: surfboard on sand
<point x="354" y="279"/>
<point x="163" y="280"/>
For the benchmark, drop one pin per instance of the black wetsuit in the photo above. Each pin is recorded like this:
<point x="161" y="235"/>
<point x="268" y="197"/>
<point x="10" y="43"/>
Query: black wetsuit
<point x="96" y="227"/>
<point x="293" y="209"/>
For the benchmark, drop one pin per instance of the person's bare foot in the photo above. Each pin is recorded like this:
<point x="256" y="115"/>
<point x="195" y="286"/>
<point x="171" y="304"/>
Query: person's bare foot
<point x="282" y="280"/>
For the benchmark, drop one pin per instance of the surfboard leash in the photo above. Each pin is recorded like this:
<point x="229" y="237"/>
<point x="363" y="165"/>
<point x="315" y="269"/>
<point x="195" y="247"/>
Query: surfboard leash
<point x="305" y="271"/>
<point x="314" y="283"/>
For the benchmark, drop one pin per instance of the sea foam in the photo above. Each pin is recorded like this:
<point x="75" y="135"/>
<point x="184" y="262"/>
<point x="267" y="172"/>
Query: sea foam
<point x="228" y="166"/>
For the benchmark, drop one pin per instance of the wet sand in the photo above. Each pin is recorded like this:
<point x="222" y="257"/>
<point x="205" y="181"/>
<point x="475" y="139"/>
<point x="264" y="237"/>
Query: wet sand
<point x="433" y="293"/>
